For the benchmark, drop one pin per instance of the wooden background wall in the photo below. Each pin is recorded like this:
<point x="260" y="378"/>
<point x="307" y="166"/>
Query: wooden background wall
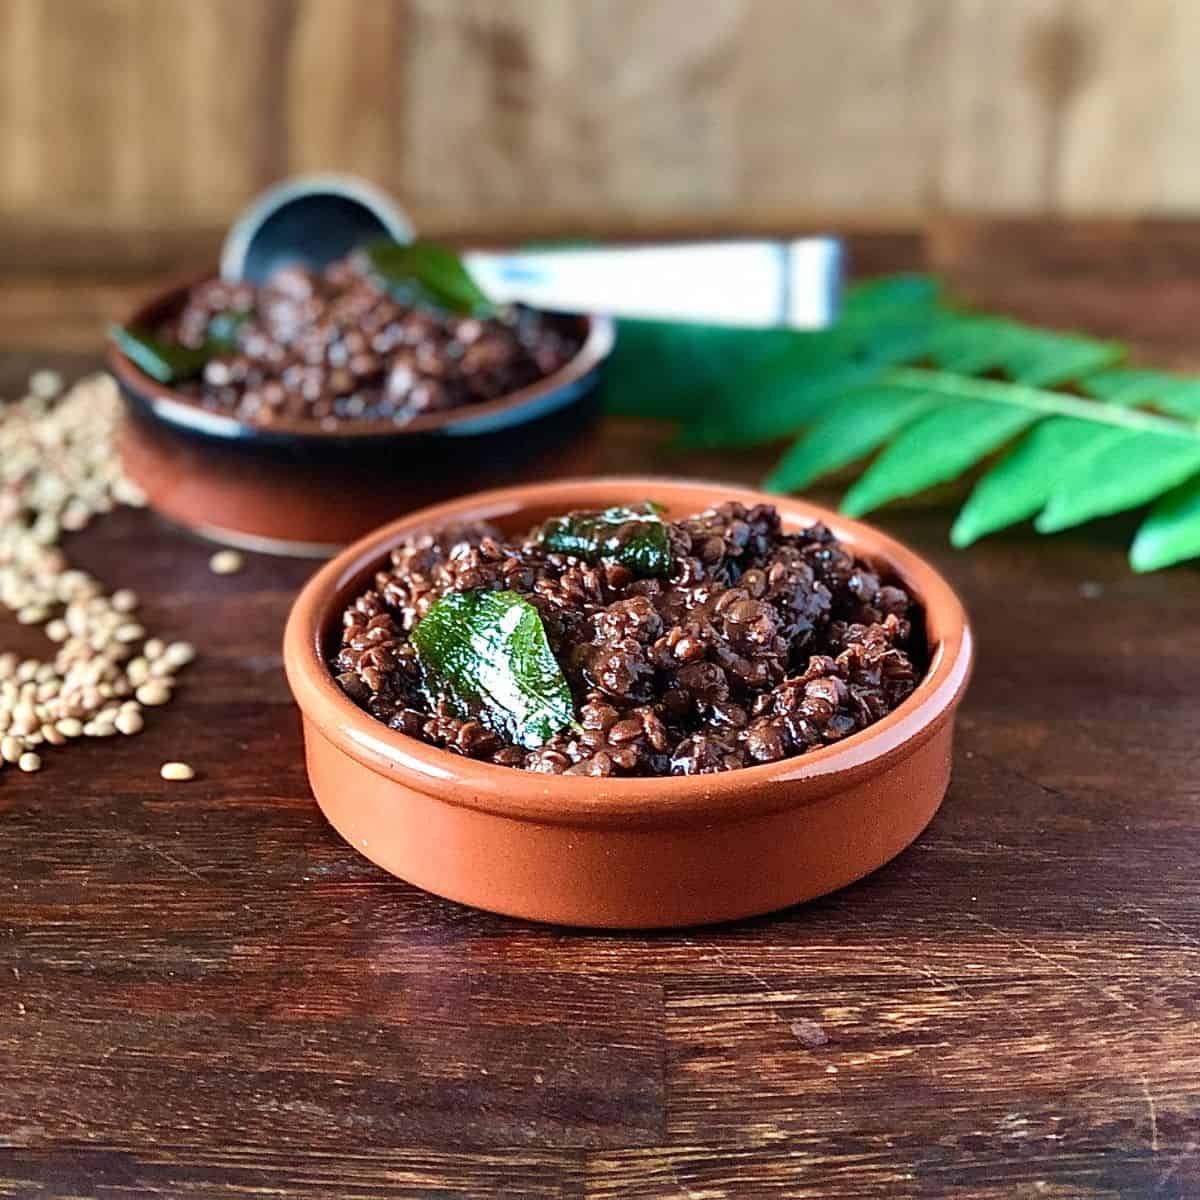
<point x="131" y="130"/>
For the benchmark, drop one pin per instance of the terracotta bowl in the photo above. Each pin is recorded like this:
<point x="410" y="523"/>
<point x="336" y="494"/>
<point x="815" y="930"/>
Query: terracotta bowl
<point x="626" y="853"/>
<point x="299" y="490"/>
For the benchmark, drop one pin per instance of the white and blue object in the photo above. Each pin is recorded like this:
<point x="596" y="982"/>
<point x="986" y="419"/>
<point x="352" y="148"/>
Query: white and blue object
<point x="752" y="283"/>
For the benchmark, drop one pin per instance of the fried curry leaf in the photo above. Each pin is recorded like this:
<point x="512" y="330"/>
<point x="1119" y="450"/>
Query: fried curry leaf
<point x="170" y="362"/>
<point x="635" y="537"/>
<point x="487" y="655"/>
<point x="426" y="272"/>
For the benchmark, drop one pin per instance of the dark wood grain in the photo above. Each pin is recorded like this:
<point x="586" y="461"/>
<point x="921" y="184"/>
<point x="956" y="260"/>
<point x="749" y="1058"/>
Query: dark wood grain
<point x="204" y="992"/>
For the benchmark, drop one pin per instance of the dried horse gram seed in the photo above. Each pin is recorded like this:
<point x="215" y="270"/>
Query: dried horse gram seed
<point x="153" y="693"/>
<point x="45" y="383"/>
<point x="759" y="645"/>
<point x="226" y="562"/>
<point x="129" y="723"/>
<point x="179" y="654"/>
<point x="58" y="469"/>
<point x="124" y="600"/>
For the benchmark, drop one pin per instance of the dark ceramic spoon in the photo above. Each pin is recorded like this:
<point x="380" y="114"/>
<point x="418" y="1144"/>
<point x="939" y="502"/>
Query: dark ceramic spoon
<point x="309" y="220"/>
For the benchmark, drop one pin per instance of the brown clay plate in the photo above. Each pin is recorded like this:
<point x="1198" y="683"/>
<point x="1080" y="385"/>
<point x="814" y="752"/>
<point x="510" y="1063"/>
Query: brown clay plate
<point x="625" y="852"/>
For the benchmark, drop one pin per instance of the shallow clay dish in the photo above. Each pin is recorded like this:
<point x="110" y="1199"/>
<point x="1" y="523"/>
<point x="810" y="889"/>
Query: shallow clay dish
<point x="626" y="853"/>
<point x="298" y="490"/>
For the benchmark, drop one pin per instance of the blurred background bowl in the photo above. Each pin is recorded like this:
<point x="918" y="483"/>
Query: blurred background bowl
<point x="297" y="489"/>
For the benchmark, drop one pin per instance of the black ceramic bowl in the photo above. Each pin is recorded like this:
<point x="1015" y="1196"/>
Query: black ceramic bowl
<point x="300" y="490"/>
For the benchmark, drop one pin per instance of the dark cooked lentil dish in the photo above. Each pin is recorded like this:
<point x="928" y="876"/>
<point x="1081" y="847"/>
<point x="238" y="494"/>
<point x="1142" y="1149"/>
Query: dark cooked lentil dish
<point x="338" y="348"/>
<point x="745" y="645"/>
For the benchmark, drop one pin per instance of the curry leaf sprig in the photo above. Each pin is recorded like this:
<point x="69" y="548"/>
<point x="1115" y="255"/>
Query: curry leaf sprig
<point x="927" y="392"/>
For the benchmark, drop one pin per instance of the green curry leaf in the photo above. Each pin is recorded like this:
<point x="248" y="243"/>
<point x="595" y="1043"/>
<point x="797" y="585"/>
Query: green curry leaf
<point x="171" y="362"/>
<point x="168" y="362"/>
<point x="487" y="655"/>
<point x="429" y="273"/>
<point x="1064" y="429"/>
<point x="634" y="537"/>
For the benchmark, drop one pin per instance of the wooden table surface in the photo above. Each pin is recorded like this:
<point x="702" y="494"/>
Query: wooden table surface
<point x="205" y="992"/>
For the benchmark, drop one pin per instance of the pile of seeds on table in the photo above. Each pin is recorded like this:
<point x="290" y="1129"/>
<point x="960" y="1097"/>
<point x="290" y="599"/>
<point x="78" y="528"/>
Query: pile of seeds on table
<point x="58" y="470"/>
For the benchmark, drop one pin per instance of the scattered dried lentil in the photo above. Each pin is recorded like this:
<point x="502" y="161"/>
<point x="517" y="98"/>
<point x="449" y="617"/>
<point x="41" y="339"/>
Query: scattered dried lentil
<point x="58" y="469"/>
<point x="179" y="654"/>
<point x="156" y="692"/>
<point x="226" y="562"/>
<point x="129" y="722"/>
<point x="124" y="600"/>
<point x="45" y="383"/>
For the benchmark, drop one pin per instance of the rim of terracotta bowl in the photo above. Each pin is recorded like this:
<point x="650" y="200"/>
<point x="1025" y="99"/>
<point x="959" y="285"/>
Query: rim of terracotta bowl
<point x="524" y="404"/>
<point x="629" y="800"/>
